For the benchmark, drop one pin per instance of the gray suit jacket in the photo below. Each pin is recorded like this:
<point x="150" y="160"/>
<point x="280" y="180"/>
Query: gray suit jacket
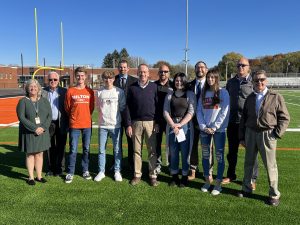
<point x="63" y="118"/>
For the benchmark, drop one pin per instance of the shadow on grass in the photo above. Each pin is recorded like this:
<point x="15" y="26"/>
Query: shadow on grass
<point x="10" y="159"/>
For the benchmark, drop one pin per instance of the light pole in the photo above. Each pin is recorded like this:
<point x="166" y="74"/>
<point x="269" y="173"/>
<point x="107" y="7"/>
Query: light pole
<point x="92" y="77"/>
<point x="22" y="80"/>
<point x="44" y="72"/>
<point x="287" y="68"/>
<point x="226" y="70"/>
<point x="186" y="41"/>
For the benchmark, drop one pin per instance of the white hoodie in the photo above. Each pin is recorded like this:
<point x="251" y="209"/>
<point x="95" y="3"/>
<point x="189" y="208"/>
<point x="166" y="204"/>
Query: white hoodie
<point x="110" y="103"/>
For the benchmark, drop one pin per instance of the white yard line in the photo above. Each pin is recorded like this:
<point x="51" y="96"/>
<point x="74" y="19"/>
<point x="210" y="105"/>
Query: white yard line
<point x="15" y="124"/>
<point x="294" y="96"/>
<point x="292" y="104"/>
<point x="12" y="97"/>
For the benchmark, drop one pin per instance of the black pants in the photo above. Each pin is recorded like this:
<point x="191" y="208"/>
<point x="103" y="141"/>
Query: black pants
<point x="159" y="135"/>
<point x="233" y="147"/>
<point x="130" y="148"/>
<point x="56" y="153"/>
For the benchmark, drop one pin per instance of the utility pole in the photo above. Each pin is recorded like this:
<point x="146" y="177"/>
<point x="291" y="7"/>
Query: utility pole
<point x="226" y="69"/>
<point x="92" y="77"/>
<point x="23" y="81"/>
<point x="186" y="41"/>
<point x="287" y="68"/>
<point x="44" y="72"/>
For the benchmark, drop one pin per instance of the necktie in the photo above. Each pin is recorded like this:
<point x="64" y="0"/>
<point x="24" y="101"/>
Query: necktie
<point x="198" y="91"/>
<point x="123" y="82"/>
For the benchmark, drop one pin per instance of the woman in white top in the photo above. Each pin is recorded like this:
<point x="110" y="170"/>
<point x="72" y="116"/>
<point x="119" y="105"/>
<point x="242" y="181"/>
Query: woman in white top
<point x="212" y="116"/>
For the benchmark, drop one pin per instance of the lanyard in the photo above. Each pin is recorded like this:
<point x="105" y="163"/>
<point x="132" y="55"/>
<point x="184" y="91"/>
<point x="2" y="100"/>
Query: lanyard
<point x="35" y="106"/>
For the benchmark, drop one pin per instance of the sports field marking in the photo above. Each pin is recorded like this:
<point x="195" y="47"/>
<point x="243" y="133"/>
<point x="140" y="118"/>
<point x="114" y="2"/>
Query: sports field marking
<point x="20" y="96"/>
<point x="292" y="104"/>
<point x="290" y="95"/>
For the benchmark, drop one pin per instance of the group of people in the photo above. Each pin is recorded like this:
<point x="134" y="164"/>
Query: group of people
<point x="187" y="112"/>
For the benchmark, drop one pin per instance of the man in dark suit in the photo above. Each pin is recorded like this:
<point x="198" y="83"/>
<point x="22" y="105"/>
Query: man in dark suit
<point x="124" y="81"/>
<point x="59" y="126"/>
<point x="196" y="86"/>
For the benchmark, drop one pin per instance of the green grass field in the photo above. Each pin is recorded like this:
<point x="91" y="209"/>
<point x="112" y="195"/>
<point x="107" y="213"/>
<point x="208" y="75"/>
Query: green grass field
<point x="292" y="102"/>
<point x="291" y="98"/>
<point x="108" y="202"/>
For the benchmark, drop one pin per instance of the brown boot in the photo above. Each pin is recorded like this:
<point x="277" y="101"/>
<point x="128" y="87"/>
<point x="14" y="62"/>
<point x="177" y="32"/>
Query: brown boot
<point x="192" y="175"/>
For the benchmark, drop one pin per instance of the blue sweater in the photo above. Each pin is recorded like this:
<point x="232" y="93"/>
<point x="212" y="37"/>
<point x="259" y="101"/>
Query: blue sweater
<point x="141" y="103"/>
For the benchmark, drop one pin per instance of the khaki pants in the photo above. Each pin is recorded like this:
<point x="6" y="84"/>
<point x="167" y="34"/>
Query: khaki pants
<point x="141" y="129"/>
<point x="265" y="143"/>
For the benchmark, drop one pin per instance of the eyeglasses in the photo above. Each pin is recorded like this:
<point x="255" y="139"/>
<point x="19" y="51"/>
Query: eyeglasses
<point x="259" y="80"/>
<point x="163" y="71"/>
<point x="53" y="79"/>
<point x="241" y="65"/>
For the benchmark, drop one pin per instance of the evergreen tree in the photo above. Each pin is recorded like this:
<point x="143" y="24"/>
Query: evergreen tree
<point x="124" y="54"/>
<point x="108" y="61"/>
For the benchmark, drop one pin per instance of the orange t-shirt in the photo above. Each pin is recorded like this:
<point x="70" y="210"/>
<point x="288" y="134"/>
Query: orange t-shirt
<point x="79" y="104"/>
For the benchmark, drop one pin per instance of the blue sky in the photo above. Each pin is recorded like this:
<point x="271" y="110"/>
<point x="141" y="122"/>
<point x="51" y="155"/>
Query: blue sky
<point x="151" y="29"/>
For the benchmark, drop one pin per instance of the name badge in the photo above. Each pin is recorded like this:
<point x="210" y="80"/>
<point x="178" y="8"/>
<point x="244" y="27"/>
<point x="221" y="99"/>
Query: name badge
<point x="37" y="120"/>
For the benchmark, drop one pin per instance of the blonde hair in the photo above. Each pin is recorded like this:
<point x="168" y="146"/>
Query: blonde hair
<point x="108" y="74"/>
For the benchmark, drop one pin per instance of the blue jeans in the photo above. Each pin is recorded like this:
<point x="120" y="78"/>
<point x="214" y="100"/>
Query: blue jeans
<point x="174" y="148"/>
<point x="102" y="138"/>
<point x="219" y="141"/>
<point x="73" y="142"/>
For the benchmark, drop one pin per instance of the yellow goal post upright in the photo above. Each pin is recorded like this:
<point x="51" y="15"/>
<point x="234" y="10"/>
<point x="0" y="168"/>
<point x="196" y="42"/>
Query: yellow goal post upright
<point x="37" y="48"/>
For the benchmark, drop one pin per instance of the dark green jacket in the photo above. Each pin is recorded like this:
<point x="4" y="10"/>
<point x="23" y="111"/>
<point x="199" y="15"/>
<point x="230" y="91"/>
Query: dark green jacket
<point x="29" y="142"/>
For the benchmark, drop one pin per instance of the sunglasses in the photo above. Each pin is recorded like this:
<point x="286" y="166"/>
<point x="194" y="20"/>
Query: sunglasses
<point x="259" y="80"/>
<point x="241" y="65"/>
<point x="53" y="80"/>
<point x="163" y="71"/>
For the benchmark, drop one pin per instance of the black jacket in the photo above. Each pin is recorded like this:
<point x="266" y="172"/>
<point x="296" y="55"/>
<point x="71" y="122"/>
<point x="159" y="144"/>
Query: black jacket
<point x="238" y="92"/>
<point x="130" y="80"/>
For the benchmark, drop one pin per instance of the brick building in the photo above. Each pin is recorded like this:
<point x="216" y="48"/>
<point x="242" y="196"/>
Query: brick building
<point x="14" y="77"/>
<point x="8" y="77"/>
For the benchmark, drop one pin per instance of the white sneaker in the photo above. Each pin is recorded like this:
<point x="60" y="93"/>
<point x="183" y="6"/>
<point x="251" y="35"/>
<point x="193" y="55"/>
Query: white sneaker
<point x="86" y="175"/>
<point x="217" y="190"/>
<point x="69" y="178"/>
<point x="118" y="177"/>
<point x="205" y="187"/>
<point x="99" y="177"/>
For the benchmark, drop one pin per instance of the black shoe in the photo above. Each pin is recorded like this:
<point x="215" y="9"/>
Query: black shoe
<point x="273" y="202"/>
<point x="174" y="181"/>
<point x="30" y="182"/>
<point x="184" y="181"/>
<point x="243" y="194"/>
<point x="42" y="180"/>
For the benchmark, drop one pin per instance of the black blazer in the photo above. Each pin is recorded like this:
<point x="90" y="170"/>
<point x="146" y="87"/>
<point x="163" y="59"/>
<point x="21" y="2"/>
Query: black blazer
<point x="130" y="80"/>
<point x="62" y="115"/>
<point x="191" y="86"/>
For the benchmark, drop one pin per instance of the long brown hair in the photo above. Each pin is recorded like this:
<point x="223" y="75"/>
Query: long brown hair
<point x="216" y="86"/>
